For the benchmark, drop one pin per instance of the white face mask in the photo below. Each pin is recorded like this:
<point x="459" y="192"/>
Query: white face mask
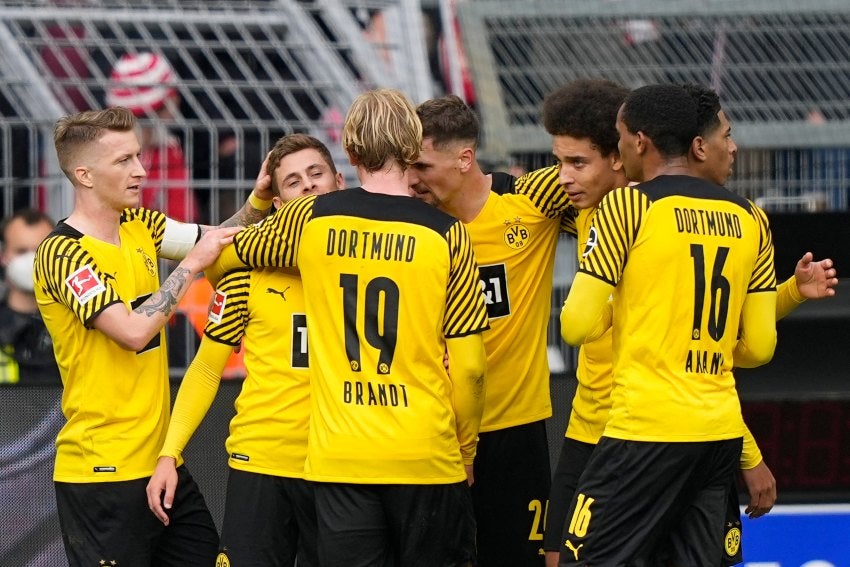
<point x="19" y="271"/>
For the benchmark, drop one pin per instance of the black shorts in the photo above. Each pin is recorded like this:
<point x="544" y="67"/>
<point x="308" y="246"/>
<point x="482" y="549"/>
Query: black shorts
<point x="571" y="463"/>
<point x="510" y="495"/>
<point x="669" y="553"/>
<point x="394" y="525"/>
<point x="105" y="522"/>
<point x="268" y="521"/>
<point x="635" y="495"/>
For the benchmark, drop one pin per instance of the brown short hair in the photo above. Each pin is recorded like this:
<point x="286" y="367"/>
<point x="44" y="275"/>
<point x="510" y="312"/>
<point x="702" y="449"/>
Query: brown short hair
<point x="291" y="144"/>
<point x="382" y="125"/>
<point x="74" y="132"/>
<point x="447" y="119"/>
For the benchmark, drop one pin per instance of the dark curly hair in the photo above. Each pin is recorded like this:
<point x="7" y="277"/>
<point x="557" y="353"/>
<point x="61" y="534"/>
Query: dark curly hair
<point x="666" y="114"/>
<point x="586" y="108"/>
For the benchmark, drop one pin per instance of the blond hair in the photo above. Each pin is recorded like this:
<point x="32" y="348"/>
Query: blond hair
<point x="382" y="125"/>
<point x="75" y="132"/>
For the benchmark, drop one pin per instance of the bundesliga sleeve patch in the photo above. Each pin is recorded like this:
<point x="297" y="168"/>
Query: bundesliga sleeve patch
<point x="84" y="284"/>
<point x="217" y="307"/>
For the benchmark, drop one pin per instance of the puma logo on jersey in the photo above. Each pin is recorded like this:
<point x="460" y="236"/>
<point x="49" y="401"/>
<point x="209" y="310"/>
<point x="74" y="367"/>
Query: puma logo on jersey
<point x="84" y="284"/>
<point x="276" y="292"/>
<point x="592" y="241"/>
<point x="574" y="549"/>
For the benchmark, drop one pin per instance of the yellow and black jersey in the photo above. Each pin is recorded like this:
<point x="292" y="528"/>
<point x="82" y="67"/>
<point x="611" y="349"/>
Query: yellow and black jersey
<point x="514" y="237"/>
<point x="268" y="434"/>
<point x="386" y="278"/>
<point x="116" y="402"/>
<point x="683" y="255"/>
<point x="592" y="400"/>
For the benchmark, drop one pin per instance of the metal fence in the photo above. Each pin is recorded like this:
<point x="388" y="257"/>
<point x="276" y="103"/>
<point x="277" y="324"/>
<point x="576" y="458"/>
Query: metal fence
<point x="782" y="69"/>
<point x="247" y="73"/>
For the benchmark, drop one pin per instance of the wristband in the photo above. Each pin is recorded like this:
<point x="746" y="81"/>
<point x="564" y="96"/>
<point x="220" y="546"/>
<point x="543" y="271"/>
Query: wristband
<point x="259" y="204"/>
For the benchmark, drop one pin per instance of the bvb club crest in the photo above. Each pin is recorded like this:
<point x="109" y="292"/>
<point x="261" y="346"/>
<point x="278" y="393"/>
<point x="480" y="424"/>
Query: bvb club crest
<point x="149" y="264"/>
<point x="732" y="541"/>
<point x="222" y="560"/>
<point x="516" y="234"/>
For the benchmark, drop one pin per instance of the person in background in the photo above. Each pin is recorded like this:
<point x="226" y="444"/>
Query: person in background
<point x="146" y="84"/>
<point x="26" y="351"/>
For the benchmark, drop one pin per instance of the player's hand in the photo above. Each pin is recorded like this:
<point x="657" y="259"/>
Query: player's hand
<point x="446" y="361"/>
<point x="263" y="184"/>
<point x="762" y="489"/>
<point x="209" y="247"/>
<point x="470" y="476"/>
<point x="161" y="488"/>
<point x="815" y="279"/>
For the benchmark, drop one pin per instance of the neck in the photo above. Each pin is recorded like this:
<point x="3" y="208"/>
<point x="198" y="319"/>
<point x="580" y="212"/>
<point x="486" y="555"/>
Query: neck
<point x="20" y="301"/>
<point x="392" y="180"/>
<point x="668" y="166"/>
<point x="95" y="219"/>
<point x="468" y="202"/>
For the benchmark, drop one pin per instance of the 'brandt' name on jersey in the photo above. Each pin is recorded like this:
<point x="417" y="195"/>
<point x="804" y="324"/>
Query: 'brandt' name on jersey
<point x="371" y="245"/>
<point x="711" y="223"/>
<point x="369" y="394"/>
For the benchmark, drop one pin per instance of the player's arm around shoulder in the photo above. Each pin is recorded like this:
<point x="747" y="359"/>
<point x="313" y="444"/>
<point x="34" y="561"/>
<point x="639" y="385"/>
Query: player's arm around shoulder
<point x="543" y="188"/>
<point x="133" y="329"/>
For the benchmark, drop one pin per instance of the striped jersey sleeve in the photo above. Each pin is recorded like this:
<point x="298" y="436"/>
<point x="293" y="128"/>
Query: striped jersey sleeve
<point x="153" y="220"/>
<point x="764" y="272"/>
<point x="228" y="313"/>
<point x="544" y="190"/>
<point x="466" y="312"/>
<point x="274" y="242"/>
<point x="68" y="273"/>
<point x="619" y="217"/>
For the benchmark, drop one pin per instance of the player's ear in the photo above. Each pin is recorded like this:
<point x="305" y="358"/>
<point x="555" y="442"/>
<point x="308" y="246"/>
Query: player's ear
<point x="698" y="148"/>
<point x="83" y="176"/>
<point x="642" y="142"/>
<point x="466" y="157"/>
<point x="615" y="161"/>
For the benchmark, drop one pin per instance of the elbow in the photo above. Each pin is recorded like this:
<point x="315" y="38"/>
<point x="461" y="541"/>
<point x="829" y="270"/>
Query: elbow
<point x="131" y="341"/>
<point x="757" y="352"/>
<point x="572" y="333"/>
<point x="764" y="352"/>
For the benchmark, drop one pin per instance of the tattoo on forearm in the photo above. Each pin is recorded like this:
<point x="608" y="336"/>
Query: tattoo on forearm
<point x="165" y="300"/>
<point x="247" y="215"/>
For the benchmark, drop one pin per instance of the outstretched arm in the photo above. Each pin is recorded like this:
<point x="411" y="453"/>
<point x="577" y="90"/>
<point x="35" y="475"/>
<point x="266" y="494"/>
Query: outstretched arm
<point x="134" y="329"/>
